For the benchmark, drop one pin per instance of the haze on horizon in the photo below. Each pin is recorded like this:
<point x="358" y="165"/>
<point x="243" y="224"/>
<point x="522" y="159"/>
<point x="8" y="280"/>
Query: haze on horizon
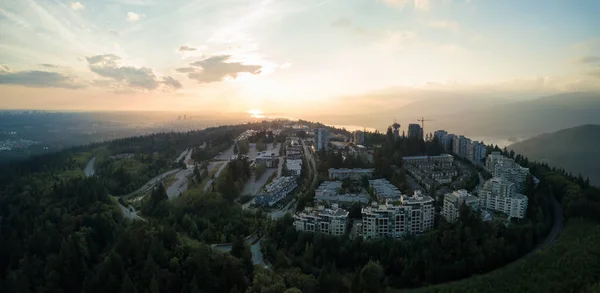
<point x="291" y="58"/>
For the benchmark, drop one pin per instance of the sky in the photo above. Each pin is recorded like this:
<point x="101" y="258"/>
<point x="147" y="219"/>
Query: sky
<point x="290" y="57"/>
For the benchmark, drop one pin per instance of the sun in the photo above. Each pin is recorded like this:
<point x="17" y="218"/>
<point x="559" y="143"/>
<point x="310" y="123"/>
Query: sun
<point x="255" y="113"/>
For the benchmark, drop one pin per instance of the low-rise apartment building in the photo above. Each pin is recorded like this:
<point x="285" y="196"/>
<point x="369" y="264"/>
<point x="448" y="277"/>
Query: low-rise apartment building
<point x="454" y="200"/>
<point x="331" y="221"/>
<point x="328" y="192"/>
<point x="294" y="167"/>
<point x="269" y="159"/>
<point x="441" y="160"/>
<point x="276" y="191"/>
<point x="352" y="174"/>
<point x="499" y="194"/>
<point x="385" y="190"/>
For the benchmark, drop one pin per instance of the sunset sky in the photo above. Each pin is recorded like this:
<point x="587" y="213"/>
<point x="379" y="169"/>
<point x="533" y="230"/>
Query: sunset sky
<point x="289" y="56"/>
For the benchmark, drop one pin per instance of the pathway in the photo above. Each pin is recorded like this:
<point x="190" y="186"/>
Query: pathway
<point x="89" y="168"/>
<point x="90" y="171"/>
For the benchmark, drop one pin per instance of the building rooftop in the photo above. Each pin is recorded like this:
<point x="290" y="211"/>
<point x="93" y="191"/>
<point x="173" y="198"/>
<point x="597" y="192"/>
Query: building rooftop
<point x="385" y="189"/>
<point x="323" y="211"/>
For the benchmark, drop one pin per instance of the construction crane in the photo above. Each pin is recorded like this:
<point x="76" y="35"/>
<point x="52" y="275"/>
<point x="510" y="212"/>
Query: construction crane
<point x="422" y="120"/>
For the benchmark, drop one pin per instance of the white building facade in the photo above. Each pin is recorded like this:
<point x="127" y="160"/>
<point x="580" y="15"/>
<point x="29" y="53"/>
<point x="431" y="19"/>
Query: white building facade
<point x="504" y="167"/>
<point x="499" y="194"/>
<point x="454" y="200"/>
<point x="412" y="215"/>
<point x="332" y="221"/>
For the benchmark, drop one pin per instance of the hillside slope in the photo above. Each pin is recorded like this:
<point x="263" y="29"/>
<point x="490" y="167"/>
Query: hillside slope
<point x="576" y="149"/>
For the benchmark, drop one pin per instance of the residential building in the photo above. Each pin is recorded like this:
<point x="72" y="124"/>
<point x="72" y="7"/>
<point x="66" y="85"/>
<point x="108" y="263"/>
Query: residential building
<point x="499" y="194"/>
<point x="331" y="221"/>
<point x="294" y="167"/>
<point x="321" y="139"/>
<point x="352" y="174"/>
<point x="276" y="191"/>
<point x="385" y="190"/>
<point x="443" y="159"/>
<point x="422" y="211"/>
<point x="507" y="168"/>
<point x="478" y="152"/>
<point x="440" y="135"/>
<point x="448" y="143"/>
<point x="329" y="192"/>
<point x="411" y="215"/>
<point x="269" y="159"/>
<point x="415" y="130"/>
<point x="359" y="137"/>
<point x="454" y="200"/>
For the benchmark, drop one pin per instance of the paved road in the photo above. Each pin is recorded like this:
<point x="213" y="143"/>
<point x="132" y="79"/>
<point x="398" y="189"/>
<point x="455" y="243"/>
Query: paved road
<point x="556" y="227"/>
<point x="90" y="171"/>
<point x="153" y="182"/>
<point x="208" y="184"/>
<point x="252" y="187"/>
<point x="257" y="256"/>
<point x="180" y="184"/>
<point x="89" y="168"/>
<point x="311" y="161"/>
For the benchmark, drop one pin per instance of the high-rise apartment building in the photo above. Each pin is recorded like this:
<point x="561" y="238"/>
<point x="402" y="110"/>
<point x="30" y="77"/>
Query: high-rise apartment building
<point x="499" y="194"/>
<point x="412" y="215"/>
<point x="415" y="131"/>
<point x="507" y="168"/>
<point x="321" y="139"/>
<point x="454" y="200"/>
<point x="478" y="152"/>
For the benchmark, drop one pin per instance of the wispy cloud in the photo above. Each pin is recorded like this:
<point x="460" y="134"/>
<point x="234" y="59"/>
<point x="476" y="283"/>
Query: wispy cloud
<point x="417" y="4"/>
<point x="217" y="68"/>
<point x="444" y="24"/>
<point x="36" y="78"/>
<point x="132" y="16"/>
<point x="187" y="48"/>
<point x="588" y="59"/>
<point x="342" y="22"/>
<point x="107" y="66"/>
<point x="76" y="6"/>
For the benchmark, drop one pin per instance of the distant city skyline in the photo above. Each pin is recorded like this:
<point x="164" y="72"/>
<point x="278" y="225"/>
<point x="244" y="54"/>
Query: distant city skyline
<point x="293" y="57"/>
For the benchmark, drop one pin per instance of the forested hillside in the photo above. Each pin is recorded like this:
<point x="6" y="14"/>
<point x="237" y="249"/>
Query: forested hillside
<point x="576" y="149"/>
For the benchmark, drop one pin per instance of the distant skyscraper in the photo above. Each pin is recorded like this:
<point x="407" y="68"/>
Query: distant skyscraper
<point x="415" y="130"/>
<point x="321" y="139"/>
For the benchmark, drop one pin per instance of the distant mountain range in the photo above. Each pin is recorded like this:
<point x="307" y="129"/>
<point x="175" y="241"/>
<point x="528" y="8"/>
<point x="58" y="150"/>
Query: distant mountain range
<point x="576" y="149"/>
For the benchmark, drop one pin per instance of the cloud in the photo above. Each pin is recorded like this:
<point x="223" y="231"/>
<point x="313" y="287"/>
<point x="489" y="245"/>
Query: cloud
<point x="595" y="73"/>
<point x="36" y="78"/>
<point x="49" y="65"/>
<point x="114" y="33"/>
<point x="132" y="16"/>
<point x="418" y="4"/>
<point x="422" y="5"/>
<point x="342" y="22"/>
<point x="186" y="48"/>
<point x="186" y="70"/>
<point x="444" y="24"/>
<point x="216" y="68"/>
<point x="76" y="6"/>
<point x="107" y="65"/>
<point x="588" y="59"/>
<point x="171" y="82"/>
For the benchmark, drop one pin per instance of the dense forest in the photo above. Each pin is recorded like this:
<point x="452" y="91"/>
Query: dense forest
<point x="62" y="232"/>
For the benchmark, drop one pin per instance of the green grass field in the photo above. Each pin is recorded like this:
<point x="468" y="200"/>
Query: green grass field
<point x="570" y="265"/>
